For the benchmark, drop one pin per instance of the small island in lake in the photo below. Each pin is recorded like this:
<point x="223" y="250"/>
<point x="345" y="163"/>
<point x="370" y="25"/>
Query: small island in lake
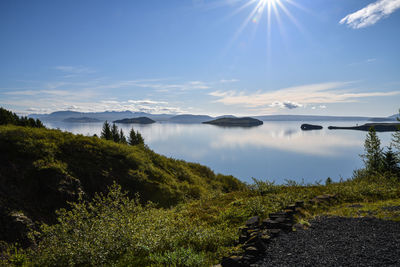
<point x="81" y="120"/>
<point x="241" y="122"/>
<point x="379" y="127"/>
<point x="140" y="120"/>
<point x="308" y="127"/>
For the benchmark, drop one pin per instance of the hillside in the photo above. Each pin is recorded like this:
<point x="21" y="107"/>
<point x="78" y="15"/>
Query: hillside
<point x="139" y="120"/>
<point x="242" y="122"/>
<point x="41" y="169"/>
<point x="81" y="120"/>
<point x="188" y="118"/>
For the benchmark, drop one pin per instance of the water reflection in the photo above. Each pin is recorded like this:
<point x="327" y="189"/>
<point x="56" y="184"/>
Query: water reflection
<point x="275" y="150"/>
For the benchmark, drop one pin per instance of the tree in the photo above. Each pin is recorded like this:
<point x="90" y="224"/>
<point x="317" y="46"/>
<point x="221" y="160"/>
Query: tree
<point x="390" y="162"/>
<point x="396" y="138"/>
<point x="139" y="138"/>
<point x="135" y="138"/>
<point x="106" y="131"/>
<point x="122" y="138"/>
<point x="373" y="157"/>
<point x="115" y="133"/>
<point x="8" y="117"/>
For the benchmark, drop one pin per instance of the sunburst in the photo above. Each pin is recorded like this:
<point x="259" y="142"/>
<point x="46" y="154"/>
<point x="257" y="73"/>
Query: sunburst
<point x="270" y="8"/>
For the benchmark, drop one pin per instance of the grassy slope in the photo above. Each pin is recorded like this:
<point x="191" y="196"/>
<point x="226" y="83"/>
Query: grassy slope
<point x="41" y="169"/>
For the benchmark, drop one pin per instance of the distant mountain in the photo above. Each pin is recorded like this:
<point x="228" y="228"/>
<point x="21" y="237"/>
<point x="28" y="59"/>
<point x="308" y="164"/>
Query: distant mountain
<point x="140" y="120"/>
<point x="309" y="118"/>
<point x="225" y="116"/>
<point x="188" y="118"/>
<point x="229" y="122"/>
<point x="101" y="116"/>
<point x="81" y="120"/>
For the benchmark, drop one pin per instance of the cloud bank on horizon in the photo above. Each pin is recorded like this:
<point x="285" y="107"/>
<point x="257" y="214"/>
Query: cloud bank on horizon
<point x="298" y="96"/>
<point x="371" y="14"/>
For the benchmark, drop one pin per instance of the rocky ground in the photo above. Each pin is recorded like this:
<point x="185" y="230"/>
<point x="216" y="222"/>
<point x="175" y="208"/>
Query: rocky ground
<point x="337" y="241"/>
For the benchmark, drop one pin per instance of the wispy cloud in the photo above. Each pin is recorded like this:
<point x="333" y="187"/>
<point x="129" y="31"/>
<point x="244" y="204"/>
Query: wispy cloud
<point x="75" y="69"/>
<point x="371" y="14"/>
<point x="366" y="61"/>
<point x="229" y="81"/>
<point x="295" y="97"/>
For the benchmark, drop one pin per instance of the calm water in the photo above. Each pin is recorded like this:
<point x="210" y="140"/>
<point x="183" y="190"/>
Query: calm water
<point x="275" y="151"/>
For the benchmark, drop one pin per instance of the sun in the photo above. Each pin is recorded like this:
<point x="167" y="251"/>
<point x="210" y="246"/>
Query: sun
<point x="274" y="10"/>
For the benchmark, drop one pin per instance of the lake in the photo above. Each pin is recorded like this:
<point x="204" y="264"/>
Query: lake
<point x="275" y="151"/>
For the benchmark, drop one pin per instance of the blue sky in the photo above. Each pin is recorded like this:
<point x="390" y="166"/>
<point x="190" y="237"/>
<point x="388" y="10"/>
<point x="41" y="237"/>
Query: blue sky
<point x="241" y="57"/>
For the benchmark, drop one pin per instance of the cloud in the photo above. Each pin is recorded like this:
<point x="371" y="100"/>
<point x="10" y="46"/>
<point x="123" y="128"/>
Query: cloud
<point x="286" y="104"/>
<point x="75" y="69"/>
<point x="229" y="81"/>
<point x="371" y="14"/>
<point x="295" y="97"/>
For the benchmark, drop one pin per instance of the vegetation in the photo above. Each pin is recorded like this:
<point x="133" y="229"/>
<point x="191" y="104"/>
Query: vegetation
<point x="128" y="206"/>
<point x="135" y="138"/>
<point x="112" y="133"/>
<point x="8" y="117"/>
<point x="378" y="161"/>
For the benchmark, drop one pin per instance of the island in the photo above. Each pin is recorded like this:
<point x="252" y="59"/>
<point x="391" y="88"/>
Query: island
<point x="240" y="122"/>
<point x="379" y="127"/>
<point x="139" y="120"/>
<point x="308" y="127"/>
<point x="81" y="120"/>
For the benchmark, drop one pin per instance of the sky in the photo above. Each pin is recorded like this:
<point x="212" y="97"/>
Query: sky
<point x="215" y="57"/>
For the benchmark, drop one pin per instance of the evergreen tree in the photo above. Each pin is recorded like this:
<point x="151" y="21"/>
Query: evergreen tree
<point x="122" y="138"/>
<point x="8" y="117"/>
<point x="115" y="133"/>
<point x="135" y="138"/>
<point x="106" y="132"/>
<point x="140" y="139"/>
<point x="396" y="138"/>
<point x="390" y="161"/>
<point x="132" y="138"/>
<point x="373" y="157"/>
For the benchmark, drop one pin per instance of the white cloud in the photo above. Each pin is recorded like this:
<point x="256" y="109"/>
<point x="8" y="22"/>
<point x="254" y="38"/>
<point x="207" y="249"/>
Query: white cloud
<point x="293" y="97"/>
<point x="371" y="14"/>
<point x="286" y="104"/>
<point x="229" y="81"/>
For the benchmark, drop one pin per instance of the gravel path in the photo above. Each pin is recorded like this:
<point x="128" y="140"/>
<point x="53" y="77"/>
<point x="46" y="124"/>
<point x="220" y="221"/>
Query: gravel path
<point x="337" y="241"/>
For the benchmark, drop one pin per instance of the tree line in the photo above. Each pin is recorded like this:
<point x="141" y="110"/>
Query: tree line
<point x="111" y="132"/>
<point x="379" y="160"/>
<point x="8" y="117"/>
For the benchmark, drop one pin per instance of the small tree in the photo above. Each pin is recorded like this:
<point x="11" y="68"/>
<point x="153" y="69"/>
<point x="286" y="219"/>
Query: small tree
<point x="396" y="138"/>
<point x="140" y="139"/>
<point x="373" y="157"/>
<point x="122" y="138"/>
<point x="115" y="133"/>
<point x="106" y="131"/>
<point x="390" y="162"/>
<point x="135" y="138"/>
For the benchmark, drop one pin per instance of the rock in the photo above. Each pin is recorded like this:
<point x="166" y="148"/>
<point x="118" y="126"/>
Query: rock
<point x="253" y="221"/>
<point x="233" y="261"/>
<point x="274" y="232"/>
<point x="270" y="224"/>
<point x="251" y="251"/>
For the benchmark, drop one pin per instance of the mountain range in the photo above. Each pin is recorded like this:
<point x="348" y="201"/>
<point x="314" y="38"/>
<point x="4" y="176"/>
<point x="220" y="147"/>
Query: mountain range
<point x="190" y="118"/>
